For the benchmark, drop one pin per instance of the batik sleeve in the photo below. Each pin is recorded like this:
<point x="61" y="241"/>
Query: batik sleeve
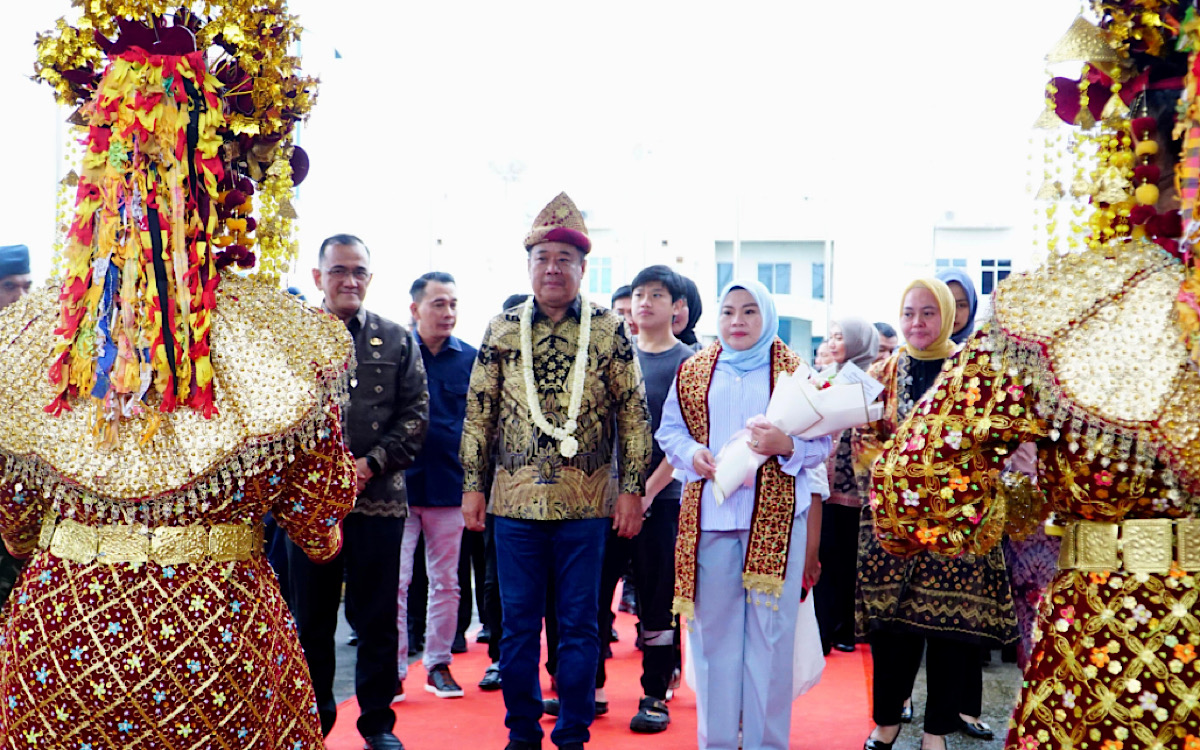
<point x="628" y="394"/>
<point x="868" y="440"/>
<point x="483" y="414"/>
<point x="934" y="486"/>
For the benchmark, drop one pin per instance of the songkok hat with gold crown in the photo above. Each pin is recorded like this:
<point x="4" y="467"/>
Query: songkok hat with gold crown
<point x="560" y="221"/>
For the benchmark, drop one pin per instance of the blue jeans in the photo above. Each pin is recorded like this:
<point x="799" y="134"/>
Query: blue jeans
<point x="528" y="554"/>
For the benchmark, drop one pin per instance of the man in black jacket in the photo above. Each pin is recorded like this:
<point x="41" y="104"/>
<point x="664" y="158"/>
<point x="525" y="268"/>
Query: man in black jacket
<point x="385" y="425"/>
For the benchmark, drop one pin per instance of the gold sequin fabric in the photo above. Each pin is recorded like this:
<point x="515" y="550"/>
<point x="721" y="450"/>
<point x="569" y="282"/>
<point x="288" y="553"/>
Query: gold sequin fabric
<point x="532" y="479"/>
<point x="1113" y="666"/>
<point x="1113" y="662"/>
<point x="199" y="653"/>
<point x="278" y="366"/>
<point x="1096" y="333"/>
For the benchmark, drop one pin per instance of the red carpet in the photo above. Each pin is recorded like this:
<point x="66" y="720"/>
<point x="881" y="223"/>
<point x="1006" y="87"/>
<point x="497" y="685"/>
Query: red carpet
<point x="834" y="714"/>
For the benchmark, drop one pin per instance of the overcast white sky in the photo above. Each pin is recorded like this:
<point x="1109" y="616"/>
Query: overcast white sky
<point x="887" y="114"/>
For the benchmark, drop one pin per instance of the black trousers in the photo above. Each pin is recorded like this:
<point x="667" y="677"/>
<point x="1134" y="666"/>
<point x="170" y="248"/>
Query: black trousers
<point x="472" y="557"/>
<point x="897" y="657"/>
<point x="833" y="597"/>
<point x="970" y="700"/>
<point x="652" y="554"/>
<point x="654" y="580"/>
<point x="370" y="558"/>
<point x="617" y="554"/>
<point x="491" y="612"/>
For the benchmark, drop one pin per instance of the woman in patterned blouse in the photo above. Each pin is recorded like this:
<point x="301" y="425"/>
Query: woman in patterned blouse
<point x="907" y="606"/>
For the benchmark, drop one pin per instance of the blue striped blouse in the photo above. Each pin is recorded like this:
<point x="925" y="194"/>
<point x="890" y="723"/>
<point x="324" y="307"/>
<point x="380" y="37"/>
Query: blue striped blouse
<point x="732" y="399"/>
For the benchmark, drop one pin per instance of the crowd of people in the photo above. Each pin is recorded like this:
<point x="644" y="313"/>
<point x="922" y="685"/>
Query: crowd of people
<point x="448" y="440"/>
<point x="576" y="483"/>
<point x="198" y="470"/>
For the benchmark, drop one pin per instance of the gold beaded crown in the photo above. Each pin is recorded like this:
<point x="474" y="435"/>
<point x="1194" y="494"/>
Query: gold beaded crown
<point x="185" y="112"/>
<point x="1106" y="329"/>
<point x="1139" y="65"/>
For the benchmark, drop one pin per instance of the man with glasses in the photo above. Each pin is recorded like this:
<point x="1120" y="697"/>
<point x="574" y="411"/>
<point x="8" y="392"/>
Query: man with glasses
<point x="385" y="426"/>
<point x="556" y="391"/>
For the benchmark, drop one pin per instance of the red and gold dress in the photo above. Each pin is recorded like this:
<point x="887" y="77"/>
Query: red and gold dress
<point x="1084" y="359"/>
<point x="154" y="407"/>
<point x="147" y="616"/>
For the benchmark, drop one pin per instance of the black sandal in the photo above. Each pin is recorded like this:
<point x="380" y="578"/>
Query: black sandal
<point x="652" y="716"/>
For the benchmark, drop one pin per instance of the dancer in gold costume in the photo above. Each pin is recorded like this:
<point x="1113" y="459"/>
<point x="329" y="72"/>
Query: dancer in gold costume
<point x="155" y="404"/>
<point x="1093" y="357"/>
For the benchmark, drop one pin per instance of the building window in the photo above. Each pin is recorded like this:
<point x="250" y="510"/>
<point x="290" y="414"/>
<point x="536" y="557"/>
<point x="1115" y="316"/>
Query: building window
<point x="951" y="263"/>
<point x="724" y="275"/>
<point x="776" y="277"/>
<point x="600" y="276"/>
<point x="818" y="281"/>
<point x="785" y="330"/>
<point x="994" y="271"/>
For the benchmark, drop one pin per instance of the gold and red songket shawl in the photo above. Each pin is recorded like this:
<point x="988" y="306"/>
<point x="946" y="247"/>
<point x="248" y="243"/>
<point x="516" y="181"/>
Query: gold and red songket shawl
<point x="774" y="491"/>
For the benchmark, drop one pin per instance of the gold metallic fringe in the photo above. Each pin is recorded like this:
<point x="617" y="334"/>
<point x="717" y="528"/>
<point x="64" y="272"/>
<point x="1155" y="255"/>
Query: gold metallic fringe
<point x="685" y="607"/>
<point x="1085" y="432"/>
<point x="1022" y="502"/>
<point x="255" y="457"/>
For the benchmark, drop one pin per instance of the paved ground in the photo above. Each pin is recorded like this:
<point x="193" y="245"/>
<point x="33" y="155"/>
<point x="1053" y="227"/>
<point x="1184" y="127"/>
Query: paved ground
<point x="1000" y="685"/>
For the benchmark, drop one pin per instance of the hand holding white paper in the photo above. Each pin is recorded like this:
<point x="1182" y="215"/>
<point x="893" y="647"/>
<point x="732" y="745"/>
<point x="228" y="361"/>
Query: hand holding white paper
<point x="736" y="465"/>
<point x="793" y="403"/>
<point x="799" y="408"/>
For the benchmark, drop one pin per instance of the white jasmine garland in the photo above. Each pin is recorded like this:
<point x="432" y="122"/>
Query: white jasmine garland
<point x="568" y="446"/>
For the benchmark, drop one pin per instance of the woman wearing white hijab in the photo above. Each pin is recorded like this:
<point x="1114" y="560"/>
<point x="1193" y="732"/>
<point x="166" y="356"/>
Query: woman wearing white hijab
<point x="741" y="564"/>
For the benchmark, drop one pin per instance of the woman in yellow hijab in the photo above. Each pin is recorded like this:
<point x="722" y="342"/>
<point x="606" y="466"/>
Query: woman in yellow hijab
<point x="950" y="606"/>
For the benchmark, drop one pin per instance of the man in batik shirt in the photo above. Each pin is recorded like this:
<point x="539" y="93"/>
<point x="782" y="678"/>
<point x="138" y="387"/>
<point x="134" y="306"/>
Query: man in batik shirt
<point x="555" y="490"/>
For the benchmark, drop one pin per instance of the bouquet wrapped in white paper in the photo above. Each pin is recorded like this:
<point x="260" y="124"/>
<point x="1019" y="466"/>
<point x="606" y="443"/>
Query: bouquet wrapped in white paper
<point x="803" y="408"/>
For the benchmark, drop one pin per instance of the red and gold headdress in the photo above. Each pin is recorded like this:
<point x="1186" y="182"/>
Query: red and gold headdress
<point x="184" y="118"/>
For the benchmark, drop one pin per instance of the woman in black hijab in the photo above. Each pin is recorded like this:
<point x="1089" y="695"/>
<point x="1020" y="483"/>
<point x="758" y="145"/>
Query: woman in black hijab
<point x="684" y="324"/>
